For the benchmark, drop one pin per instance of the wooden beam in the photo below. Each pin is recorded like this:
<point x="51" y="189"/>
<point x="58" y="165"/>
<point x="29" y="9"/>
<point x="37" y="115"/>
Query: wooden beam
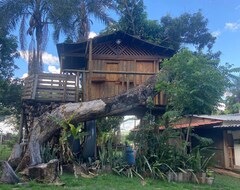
<point x="128" y="57"/>
<point x="112" y="72"/>
<point x="90" y="70"/>
<point x="77" y="87"/>
<point x="21" y="126"/>
<point x="74" y="55"/>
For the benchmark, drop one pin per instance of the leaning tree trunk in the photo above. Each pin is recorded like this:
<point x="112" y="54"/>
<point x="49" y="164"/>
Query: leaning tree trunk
<point x="45" y="127"/>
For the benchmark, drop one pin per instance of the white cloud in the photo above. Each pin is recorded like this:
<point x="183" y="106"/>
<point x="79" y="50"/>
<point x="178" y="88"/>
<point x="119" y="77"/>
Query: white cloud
<point x="92" y="35"/>
<point x="48" y="58"/>
<point x="233" y="26"/>
<point x="221" y="107"/>
<point x="216" y="33"/>
<point x="53" y="69"/>
<point x="24" y="75"/>
<point x="24" y="55"/>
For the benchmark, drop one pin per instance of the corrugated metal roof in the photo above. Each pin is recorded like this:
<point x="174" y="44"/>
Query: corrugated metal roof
<point x="229" y="117"/>
<point x="194" y="124"/>
<point x="228" y="126"/>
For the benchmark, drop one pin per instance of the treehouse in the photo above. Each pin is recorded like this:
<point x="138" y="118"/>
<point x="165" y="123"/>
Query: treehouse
<point x="98" y="68"/>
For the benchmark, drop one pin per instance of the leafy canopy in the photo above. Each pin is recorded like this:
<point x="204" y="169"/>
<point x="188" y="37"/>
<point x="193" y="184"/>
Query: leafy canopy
<point x="194" y="84"/>
<point x="233" y="99"/>
<point x="168" y="31"/>
<point x="10" y="90"/>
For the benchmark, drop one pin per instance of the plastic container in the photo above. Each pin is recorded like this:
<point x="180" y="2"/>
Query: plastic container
<point x="130" y="158"/>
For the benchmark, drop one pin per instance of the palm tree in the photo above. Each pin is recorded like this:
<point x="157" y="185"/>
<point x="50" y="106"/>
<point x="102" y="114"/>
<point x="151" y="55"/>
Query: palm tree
<point x="35" y="12"/>
<point x="77" y="24"/>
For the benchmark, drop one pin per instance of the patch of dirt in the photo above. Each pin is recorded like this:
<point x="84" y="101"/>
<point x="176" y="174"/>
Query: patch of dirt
<point x="226" y="172"/>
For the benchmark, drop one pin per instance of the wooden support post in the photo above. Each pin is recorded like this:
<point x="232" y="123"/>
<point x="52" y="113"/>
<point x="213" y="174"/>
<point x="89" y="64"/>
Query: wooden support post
<point x="122" y="82"/>
<point x="90" y="69"/>
<point x="35" y="87"/>
<point x="21" y="126"/>
<point x="77" y="87"/>
<point x="134" y="76"/>
<point x="84" y="89"/>
<point x="225" y="151"/>
<point x="65" y="88"/>
<point x="61" y="64"/>
<point x="127" y="82"/>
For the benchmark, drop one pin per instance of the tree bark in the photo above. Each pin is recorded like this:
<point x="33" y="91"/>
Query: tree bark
<point x="7" y="174"/>
<point x="46" y="127"/>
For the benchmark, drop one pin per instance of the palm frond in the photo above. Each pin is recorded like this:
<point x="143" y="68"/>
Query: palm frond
<point x="235" y="70"/>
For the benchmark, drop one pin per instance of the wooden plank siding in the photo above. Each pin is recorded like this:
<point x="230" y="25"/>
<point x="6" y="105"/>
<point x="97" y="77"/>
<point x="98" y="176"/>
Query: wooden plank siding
<point x="112" y="77"/>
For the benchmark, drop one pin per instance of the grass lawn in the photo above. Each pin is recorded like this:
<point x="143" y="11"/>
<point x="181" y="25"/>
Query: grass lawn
<point x="113" y="182"/>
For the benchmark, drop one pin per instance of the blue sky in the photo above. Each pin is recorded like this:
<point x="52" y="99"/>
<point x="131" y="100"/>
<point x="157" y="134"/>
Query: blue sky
<point x="223" y="17"/>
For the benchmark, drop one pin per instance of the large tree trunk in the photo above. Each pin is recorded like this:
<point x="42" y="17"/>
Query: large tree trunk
<point x="7" y="175"/>
<point x="46" y="127"/>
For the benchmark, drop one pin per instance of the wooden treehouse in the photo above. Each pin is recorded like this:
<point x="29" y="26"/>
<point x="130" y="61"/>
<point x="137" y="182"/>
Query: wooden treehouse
<point x="102" y="67"/>
<point x="97" y="68"/>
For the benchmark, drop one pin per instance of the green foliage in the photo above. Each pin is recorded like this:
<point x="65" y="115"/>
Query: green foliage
<point x="5" y="151"/>
<point x="68" y="130"/>
<point x="186" y="29"/>
<point x="75" y="21"/>
<point x="7" y="146"/>
<point x="8" y="51"/>
<point x="132" y="16"/>
<point x="175" y="33"/>
<point x="107" y="138"/>
<point x="160" y="152"/>
<point x="10" y="97"/>
<point x="108" y="128"/>
<point x="36" y="14"/>
<point x="48" y="152"/>
<point x="194" y="84"/>
<point x="10" y="89"/>
<point x="233" y="99"/>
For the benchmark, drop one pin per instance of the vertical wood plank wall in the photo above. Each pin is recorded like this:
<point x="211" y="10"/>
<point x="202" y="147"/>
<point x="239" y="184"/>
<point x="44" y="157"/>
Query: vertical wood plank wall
<point x="108" y="85"/>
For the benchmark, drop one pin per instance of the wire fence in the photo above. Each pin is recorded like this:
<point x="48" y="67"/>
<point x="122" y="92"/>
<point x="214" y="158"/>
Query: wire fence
<point x="5" y="152"/>
<point x="6" y="146"/>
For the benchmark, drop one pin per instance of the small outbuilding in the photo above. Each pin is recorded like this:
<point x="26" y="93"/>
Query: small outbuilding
<point x="224" y="130"/>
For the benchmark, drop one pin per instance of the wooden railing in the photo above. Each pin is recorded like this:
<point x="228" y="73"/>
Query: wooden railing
<point x="51" y="87"/>
<point x="76" y="86"/>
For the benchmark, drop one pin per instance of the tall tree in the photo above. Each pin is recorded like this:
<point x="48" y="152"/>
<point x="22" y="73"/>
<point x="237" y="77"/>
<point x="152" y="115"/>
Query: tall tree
<point x="10" y="89"/>
<point x="132" y="16"/>
<point x="8" y="51"/>
<point x="194" y="84"/>
<point x="172" y="32"/>
<point x="186" y="29"/>
<point x="36" y="13"/>
<point x="233" y="96"/>
<point x="76" y="21"/>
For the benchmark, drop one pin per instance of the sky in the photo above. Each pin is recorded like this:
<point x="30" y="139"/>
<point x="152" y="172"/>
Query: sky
<point x="223" y="17"/>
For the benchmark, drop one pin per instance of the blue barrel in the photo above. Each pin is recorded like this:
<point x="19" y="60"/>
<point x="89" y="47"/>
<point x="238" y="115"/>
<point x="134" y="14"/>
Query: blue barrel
<point x="130" y="158"/>
<point x="89" y="145"/>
